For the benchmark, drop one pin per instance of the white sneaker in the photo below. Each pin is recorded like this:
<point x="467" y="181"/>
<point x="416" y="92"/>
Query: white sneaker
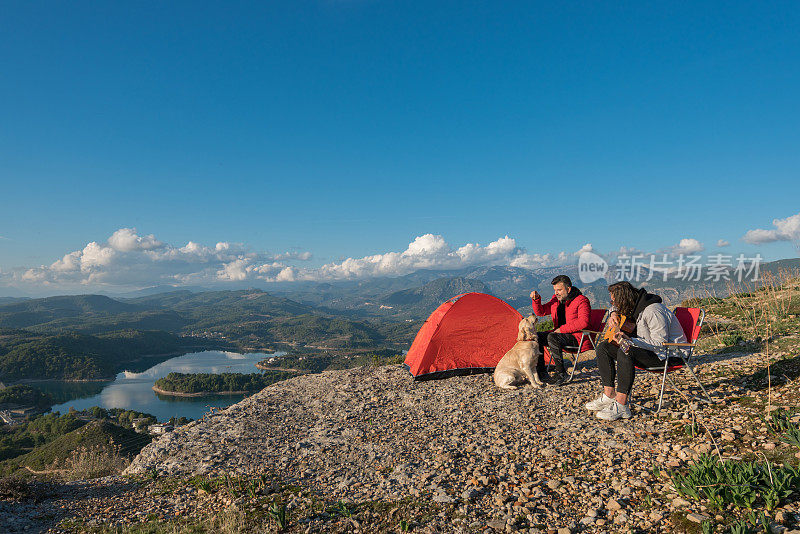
<point x="599" y="403"/>
<point x="615" y="411"/>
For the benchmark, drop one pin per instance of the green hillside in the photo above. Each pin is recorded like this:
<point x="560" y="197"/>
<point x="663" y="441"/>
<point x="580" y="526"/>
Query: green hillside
<point x="46" y="310"/>
<point x="79" y="356"/>
<point x="242" y="319"/>
<point x="94" y="436"/>
<point x="219" y="307"/>
<point x="92" y="336"/>
<point x="432" y="294"/>
<point x="220" y="382"/>
<point x="25" y="395"/>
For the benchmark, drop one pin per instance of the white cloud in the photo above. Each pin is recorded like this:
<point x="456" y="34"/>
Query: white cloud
<point x="787" y="229"/>
<point x="427" y="245"/>
<point x="430" y="252"/>
<point x="687" y="245"/>
<point x="302" y="256"/>
<point x="628" y="251"/>
<point x="585" y="248"/>
<point x="127" y="259"/>
<point x="235" y="271"/>
<point x="287" y="274"/>
<point x="723" y="243"/>
<point x="126" y="240"/>
<point x="531" y="261"/>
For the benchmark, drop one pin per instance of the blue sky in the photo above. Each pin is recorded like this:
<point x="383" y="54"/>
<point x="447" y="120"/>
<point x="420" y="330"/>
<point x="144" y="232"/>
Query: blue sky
<point x="346" y="129"/>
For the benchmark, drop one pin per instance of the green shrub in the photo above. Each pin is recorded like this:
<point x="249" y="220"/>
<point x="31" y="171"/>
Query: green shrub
<point x="739" y="483"/>
<point x="730" y="340"/>
<point x="780" y="422"/>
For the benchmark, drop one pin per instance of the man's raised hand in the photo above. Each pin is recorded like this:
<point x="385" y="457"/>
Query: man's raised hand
<point x="535" y="295"/>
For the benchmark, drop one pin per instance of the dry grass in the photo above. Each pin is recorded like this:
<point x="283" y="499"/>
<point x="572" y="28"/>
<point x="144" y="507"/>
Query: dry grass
<point x="90" y="462"/>
<point x="762" y="303"/>
<point x="753" y="311"/>
<point x="228" y="521"/>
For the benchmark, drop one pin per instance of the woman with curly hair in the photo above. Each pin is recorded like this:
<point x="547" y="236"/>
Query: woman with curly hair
<point x="655" y="325"/>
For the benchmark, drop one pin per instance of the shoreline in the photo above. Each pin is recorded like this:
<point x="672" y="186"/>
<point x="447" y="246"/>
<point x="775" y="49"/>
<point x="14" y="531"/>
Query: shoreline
<point x="68" y="380"/>
<point x="261" y="367"/>
<point x="166" y="355"/>
<point x="199" y="393"/>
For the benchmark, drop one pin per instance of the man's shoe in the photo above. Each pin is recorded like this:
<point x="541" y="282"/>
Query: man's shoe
<point x="559" y="379"/>
<point x="545" y="378"/>
<point x="614" y="412"/>
<point x="600" y="403"/>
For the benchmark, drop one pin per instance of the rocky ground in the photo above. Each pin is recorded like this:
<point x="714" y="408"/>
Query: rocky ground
<point x="369" y="449"/>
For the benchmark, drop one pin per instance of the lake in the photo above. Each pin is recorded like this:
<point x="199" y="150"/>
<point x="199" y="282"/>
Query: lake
<point x="132" y="391"/>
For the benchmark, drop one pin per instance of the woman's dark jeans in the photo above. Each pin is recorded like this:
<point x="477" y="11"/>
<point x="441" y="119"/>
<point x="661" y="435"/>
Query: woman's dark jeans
<point x="613" y="362"/>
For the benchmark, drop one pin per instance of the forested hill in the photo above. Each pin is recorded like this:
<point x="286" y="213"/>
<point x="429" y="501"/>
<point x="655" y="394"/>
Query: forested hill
<point x="248" y="316"/>
<point x="86" y="314"/>
<point x="74" y="356"/>
<point x="93" y="336"/>
<point x="243" y="302"/>
<point x="173" y="312"/>
<point x="422" y="300"/>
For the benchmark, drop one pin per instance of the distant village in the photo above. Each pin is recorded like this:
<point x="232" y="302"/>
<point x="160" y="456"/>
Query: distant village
<point x="16" y="414"/>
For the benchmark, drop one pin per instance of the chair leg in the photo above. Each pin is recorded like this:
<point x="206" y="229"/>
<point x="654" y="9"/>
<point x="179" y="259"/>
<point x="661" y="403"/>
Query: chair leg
<point x="675" y="387"/>
<point x="672" y="383"/>
<point x="708" y="397"/>
<point x="663" y="381"/>
<point x="577" y="359"/>
<point x="575" y="363"/>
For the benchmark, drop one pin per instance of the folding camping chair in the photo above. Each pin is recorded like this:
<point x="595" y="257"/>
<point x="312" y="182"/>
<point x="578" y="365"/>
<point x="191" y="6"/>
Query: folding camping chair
<point x="597" y="321"/>
<point x="691" y="320"/>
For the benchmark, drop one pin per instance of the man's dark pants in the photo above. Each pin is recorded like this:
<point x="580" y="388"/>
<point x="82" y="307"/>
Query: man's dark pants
<point x="556" y="342"/>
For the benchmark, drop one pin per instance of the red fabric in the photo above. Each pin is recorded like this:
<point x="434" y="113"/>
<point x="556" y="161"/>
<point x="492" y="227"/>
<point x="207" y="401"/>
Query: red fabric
<point x="596" y="324"/>
<point x="690" y="322"/>
<point x="473" y="330"/>
<point x="577" y="314"/>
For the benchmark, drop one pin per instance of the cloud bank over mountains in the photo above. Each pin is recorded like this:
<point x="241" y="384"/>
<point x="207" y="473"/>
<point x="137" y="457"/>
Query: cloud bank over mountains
<point x="129" y="260"/>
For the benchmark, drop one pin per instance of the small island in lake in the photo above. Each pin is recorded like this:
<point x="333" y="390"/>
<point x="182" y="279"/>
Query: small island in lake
<point x="202" y="384"/>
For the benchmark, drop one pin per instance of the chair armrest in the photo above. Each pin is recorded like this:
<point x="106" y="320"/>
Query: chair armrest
<point x="677" y="344"/>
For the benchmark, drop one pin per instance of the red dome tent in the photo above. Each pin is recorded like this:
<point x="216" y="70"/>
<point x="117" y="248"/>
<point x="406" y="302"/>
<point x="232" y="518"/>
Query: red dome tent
<point x="467" y="334"/>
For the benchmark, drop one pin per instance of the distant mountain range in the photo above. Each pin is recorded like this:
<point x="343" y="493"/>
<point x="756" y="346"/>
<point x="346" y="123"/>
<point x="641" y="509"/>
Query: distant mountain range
<point x="413" y="296"/>
<point x="89" y="336"/>
<point x="418" y="294"/>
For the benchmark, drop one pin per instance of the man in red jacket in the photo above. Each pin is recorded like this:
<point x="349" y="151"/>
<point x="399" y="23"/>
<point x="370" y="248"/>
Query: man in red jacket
<point x="570" y="311"/>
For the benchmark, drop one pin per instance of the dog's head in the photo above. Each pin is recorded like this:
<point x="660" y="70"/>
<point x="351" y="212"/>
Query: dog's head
<point x="527" y="329"/>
